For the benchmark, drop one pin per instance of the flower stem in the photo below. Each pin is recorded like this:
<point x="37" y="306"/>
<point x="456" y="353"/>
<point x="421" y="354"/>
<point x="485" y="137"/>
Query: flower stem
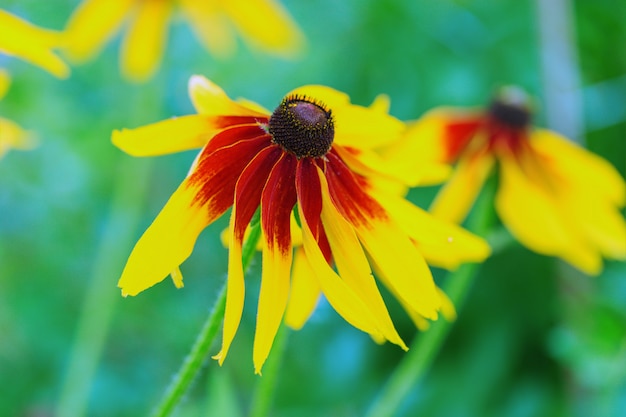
<point x="264" y="395"/>
<point x="424" y="349"/>
<point x="200" y="350"/>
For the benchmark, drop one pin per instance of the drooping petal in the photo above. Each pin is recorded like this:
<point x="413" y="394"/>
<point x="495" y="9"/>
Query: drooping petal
<point x="168" y="241"/>
<point x="383" y="240"/>
<point x="277" y="201"/>
<point x="247" y="198"/>
<point x="305" y="292"/>
<point x="339" y="295"/>
<point x="353" y="265"/>
<point x="208" y="98"/>
<point x="145" y="40"/>
<point x="12" y="136"/>
<point x="535" y="217"/>
<point x="31" y="43"/>
<point x="380" y="130"/>
<point x="266" y="24"/>
<point x="168" y="136"/>
<point x="210" y="25"/>
<point x="457" y="196"/>
<point x="442" y="243"/>
<point x="92" y="24"/>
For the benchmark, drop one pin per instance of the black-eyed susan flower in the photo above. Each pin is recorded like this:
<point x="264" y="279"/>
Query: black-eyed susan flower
<point x="31" y="43"/>
<point x="555" y="197"/>
<point x="311" y="157"/>
<point x="263" y="23"/>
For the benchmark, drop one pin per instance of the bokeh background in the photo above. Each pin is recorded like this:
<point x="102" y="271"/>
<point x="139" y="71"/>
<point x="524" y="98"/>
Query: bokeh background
<point x="535" y="337"/>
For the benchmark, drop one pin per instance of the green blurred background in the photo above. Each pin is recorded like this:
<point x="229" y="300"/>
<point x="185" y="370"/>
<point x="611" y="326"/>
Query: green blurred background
<point x="535" y="338"/>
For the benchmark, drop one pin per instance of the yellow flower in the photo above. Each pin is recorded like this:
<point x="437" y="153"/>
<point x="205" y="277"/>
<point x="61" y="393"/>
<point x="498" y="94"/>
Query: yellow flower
<point x="263" y="23"/>
<point x="311" y="156"/>
<point x="31" y="43"/>
<point x="555" y="197"/>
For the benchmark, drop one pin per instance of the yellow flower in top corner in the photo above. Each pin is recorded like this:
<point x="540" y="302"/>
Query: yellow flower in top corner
<point x="311" y="156"/>
<point x="263" y="23"/>
<point x="555" y="197"/>
<point x="31" y="43"/>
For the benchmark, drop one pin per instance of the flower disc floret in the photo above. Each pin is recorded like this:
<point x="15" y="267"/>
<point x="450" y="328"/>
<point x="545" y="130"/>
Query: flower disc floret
<point x="511" y="108"/>
<point x="303" y="127"/>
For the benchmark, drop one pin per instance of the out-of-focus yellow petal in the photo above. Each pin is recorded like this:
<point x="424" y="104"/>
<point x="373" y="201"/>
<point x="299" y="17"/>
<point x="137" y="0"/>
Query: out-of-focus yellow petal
<point x="208" y="98"/>
<point x="167" y="243"/>
<point x="12" y="136"/>
<point x="356" y="126"/>
<point x="353" y="265"/>
<point x="31" y="43"/>
<point x="579" y="166"/>
<point x="5" y="82"/>
<point x="457" y="196"/>
<point x="144" y="43"/>
<point x="339" y="295"/>
<point x="91" y="25"/>
<point x="272" y="301"/>
<point x="235" y="292"/>
<point x="443" y="244"/>
<point x="168" y="136"/>
<point x="533" y="214"/>
<point x="305" y="292"/>
<point x="210" y="25"/>
<point x="266" y="24"/>
<point x="177" y="278"/>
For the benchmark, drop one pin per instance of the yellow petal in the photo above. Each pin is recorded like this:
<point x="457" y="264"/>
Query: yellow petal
<point x="167" y="243"/>
<point x="457" y="196"/>
<point x="355" y="126"/>
<point x="31" y="43"/>
<point x="208" y="98"/>
<point x="12" y="136"/>
<point x="339" y="295"/>
<point x="353" y="265"/>
<point x="168" y="136"/>
<point x="144" y="43"/>
<point x="177" y="278"/>
<point x="235" y="292"/>
<point x="305" y="292"/>
<point x="535" y="217"/>
<point x="266" y="24"/>
<point x="272" y="301"/>
<point x="443" y="244"/>
<point x="92" y="24"/>
<point x="5" y="82"/>
<point x="210" y="25"/>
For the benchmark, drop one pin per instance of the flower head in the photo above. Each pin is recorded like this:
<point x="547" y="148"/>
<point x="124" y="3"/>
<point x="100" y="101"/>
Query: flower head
<point x="555" y="197"/>
<point x="263" y="23"/>
<point x="312" y="157"/>
<point x="31" y="43"/>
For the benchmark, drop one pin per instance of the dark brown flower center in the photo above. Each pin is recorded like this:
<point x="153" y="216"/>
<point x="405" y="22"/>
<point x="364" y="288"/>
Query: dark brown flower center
<point x="511" y="107"/>
<point x="303" y="127"/>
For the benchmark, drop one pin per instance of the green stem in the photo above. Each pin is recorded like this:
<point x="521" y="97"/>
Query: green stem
<point x="200" y="350"/>
<point x="425" y="347"/>
<point x="264" y="395"/>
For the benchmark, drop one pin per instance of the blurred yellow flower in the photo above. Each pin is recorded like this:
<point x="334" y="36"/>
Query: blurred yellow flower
<point x="263" y="23"/>
<point x="31" y="43"/>
<point x="555" y="197"/>
<point x="312" y="157"/>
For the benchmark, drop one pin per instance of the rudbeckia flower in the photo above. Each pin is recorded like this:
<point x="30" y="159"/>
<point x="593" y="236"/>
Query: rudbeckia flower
<point x="263" y="23"/>
<point x="31" y="43"/>
<point x="555" y="197"/>
<point x="311" y="157"/>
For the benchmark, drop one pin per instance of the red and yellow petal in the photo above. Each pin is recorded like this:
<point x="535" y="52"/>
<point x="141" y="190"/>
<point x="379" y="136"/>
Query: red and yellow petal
<point x="277" y="201"/>
<point x="457" y="196"/>
<point x="92" y="24"/>
<point x="168" y="241"/>
<point x="144" y="43"/>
